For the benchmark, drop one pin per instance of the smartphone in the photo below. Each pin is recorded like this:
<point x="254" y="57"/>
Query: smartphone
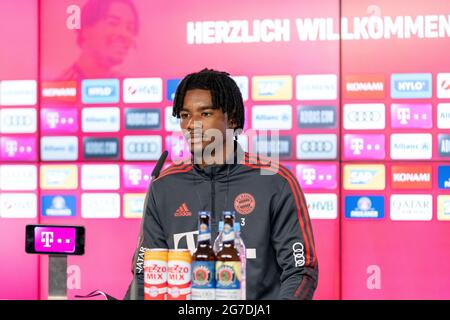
<point x="54" y="239"/>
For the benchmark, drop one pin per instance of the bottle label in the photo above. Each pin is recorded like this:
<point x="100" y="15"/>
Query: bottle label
<point x="204" y="232"/>
<point x="228" y="275"/>
<point x="203" y="276"/>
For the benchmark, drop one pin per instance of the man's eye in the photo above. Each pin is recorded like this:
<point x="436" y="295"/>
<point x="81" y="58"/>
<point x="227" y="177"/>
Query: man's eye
<point x="206" y="114"/>
<point x="184" y="115"/>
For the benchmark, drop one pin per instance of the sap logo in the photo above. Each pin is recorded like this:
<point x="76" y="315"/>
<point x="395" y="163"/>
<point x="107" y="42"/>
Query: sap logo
<point x="299" y="254"/>
<point x="444" y="145"/>
<point x="443" y="85"/>
<point x="17" y="120"/>
<point x="18" y="177"/>
<point x="18" y="92"/>
<point x="59" y="148"/>
<point x="411" y="116"/>
<point x="316" y="146"/>
<point x="172" y="123"/>
<point x="100" y="177"/>
<point x="59" y="177"/>
<point x="272" y="88"/>
<point x="142" y="90"/>
<point x="18" y="148"/>
<point x="100" y="119"/>
<point x="142" y="147"/>
<point x="58" y="206"/>
<point x="364" y="177"/>
<point x="94" y="148"/>
<point x="444" y="177"/>
<point x="322" y="205"/>
<point x="317" y="117"/>
<point x="411" y="85"/>
<point x="100" y="205"/>
<point x="362" y="207"/>
<point x="443" y="116"/>
<point x="317" y="176"/>
<point x="18" y="205"/>
<point x="411" y="146"/>
<point x="242" y="83"/>
<point x="59" y="120"/>
<point x="412" y="207"/>
<point x="272" y="117"/>
<point x="137" y="176"/>
<point x="364" y="87"/>
<point x="364" y="146"/>
<point x="100" y="91"/>
<point x="316" y="87"/>
<point x="369" y="116"/>
<point x="140" y="119"/>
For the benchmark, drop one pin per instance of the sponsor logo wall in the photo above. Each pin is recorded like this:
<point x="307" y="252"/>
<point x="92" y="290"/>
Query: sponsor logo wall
<point x="370" y="147"/>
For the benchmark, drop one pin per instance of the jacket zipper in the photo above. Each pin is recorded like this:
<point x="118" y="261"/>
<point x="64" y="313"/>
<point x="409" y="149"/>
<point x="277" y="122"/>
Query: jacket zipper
<point x="213" y="196"/>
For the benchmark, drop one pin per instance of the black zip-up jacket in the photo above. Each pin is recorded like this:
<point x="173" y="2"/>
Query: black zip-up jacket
<point x="269" y="205"/>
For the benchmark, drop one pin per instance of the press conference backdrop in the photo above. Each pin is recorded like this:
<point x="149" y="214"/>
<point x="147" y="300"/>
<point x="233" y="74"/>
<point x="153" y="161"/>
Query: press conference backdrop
<point x="360" y="91"/>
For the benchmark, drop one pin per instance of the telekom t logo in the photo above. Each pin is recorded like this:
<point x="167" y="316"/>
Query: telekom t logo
<point x="47" y="238"/>
<point x="135" y="176"/>
<point x="52" y="119"/>
<point x="403" y="114"/>
<point x="357" y="145"/>
<point x="309" y="175"/>
<point x="178" y="146"/>
<point x="11" y="148"/>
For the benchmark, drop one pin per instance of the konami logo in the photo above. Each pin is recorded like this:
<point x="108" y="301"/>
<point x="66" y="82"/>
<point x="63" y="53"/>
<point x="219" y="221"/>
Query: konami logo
<point x="411" y="177"/>
<point x="364" y="87"/>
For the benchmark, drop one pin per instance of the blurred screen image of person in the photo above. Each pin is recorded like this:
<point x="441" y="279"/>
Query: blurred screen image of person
<point x="107" y="34"/>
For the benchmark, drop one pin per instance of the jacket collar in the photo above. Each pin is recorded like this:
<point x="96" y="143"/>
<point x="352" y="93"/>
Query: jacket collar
<point x="222" y="170"/>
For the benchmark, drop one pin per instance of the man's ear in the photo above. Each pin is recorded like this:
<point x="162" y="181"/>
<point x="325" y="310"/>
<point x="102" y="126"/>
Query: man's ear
<point x="232" y="123"/>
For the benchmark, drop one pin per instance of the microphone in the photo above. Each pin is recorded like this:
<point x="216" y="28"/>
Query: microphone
<point x="137" y="266"/>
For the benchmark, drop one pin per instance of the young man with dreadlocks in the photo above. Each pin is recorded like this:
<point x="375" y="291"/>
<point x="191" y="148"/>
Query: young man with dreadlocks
<point x="271" y="208"/>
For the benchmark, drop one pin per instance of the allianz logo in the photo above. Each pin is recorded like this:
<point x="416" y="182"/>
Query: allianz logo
<point x="267" y="117"/>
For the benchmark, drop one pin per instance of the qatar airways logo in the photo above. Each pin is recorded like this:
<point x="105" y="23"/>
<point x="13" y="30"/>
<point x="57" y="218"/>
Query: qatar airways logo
<point x="411" y="116"/>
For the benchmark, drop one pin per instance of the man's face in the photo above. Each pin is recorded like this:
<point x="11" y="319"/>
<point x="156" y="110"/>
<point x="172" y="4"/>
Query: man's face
<point x="112" y="37"/>
<point x="198" y="115"/>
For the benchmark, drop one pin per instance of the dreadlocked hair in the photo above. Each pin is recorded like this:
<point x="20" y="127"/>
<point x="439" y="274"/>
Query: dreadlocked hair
<point x="225" y="93"/>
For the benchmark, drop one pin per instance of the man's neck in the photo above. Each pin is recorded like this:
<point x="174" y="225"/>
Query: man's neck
<point x="217" y="158"/>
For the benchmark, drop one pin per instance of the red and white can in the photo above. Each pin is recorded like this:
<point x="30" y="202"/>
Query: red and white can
<point x="179" y="275"/>
<point x="155" y="274"/>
